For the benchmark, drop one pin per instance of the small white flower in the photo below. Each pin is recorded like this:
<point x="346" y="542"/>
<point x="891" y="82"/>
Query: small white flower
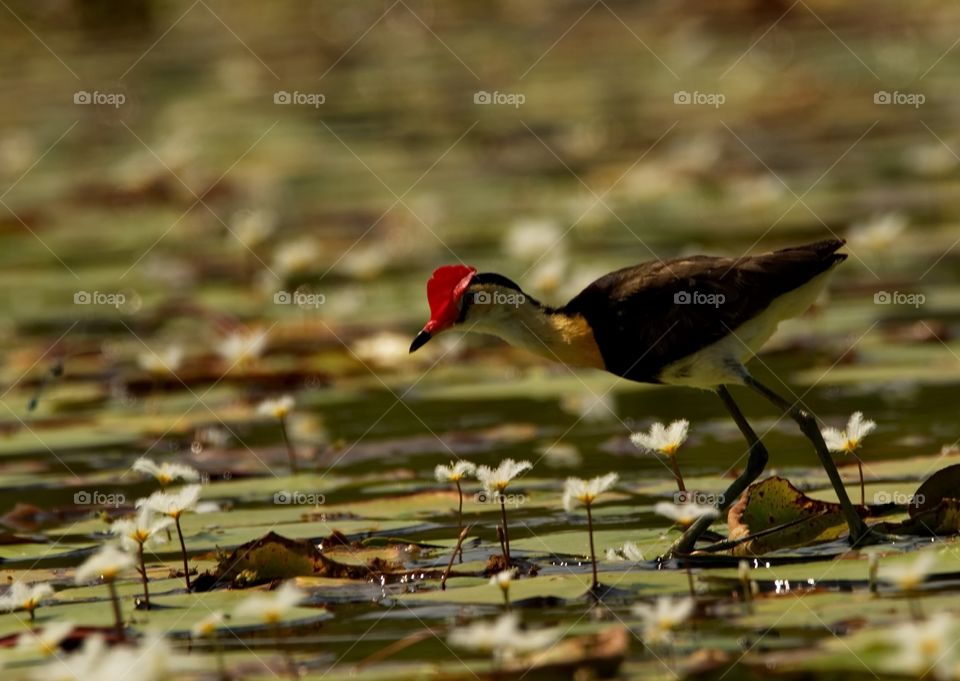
<point x="663" y="439"/>
<point x="661" y="618"/>
<point x="455" y="472"/>
<point x="208" y="625"/>
<point x="585" y="492"/>
<point x="502" y="637"/>
<point x="173" y="504"/>
<point x="909" y="577"/>
<point x="142" y="530"/>
<point x="530" y="239"/>
<point x="47" y="640"/>
<point x="923" y="647"/>
<point x="365" y="263"/>
<point x="251" y="227"/>
<point x="105" y="564"/>
<point x="503" y="579"/>
<point x="296" y="256"/>
<point x="242" y="347"/>
<point x="495" y="480"/>
<point x="154" y="659"/>
<point x="880" y="233"/>
<point x="278" y="407"/>
<point x="80" y="666"/>
<point x="166" y="472"/>
<point x="21" y="596"/>
<point x="629" y="552"/>
<point x="271" y="607"/>
<point x="684" y="514"/>
<point x="383" y="349"/>
<point x="849" y="440"/>
<point x="164" y="361"/>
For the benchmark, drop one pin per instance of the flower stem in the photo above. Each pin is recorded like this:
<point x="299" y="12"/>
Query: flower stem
<point x="506" y="535"/>
<point x="460" y="518"/>
<point x="676" y="474"/>
<point x="863" y="494"/>
<point x="291" y="452"/>
<point x="117" y="616"/>
<point x="143" y="576"/>
<point x="183" y="550"/>
<point x="221" y="663"/>
<point x="593" y="552"/>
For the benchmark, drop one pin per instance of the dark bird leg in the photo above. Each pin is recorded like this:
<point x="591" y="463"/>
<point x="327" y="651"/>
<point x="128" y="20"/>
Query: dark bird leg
<point x="756" y="462"/>
<point x="859" y="532"/>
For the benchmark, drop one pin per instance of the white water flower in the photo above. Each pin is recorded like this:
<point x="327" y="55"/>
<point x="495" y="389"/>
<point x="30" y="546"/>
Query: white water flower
<point x="27" y="597"/>
<point x="278" y="407"/>
<point x="166" y="472"/>
<point x="164" y="361"/>
<point x="142" y="530"/>
<point x="80" y="666"/>
<point x="662" y="617"/>
<point x="173" y="504"/>
<point x="908" y="577"/>
<point x="496" y="480"/>
<point x="296" y="256"/>
<point x="923" y="647"/>
<point x="629" y="552"/>
<point x="154" y="659"/>
<point x="242" y="347"/>
<point x="663" y="439"/>
<point x="455" y="472"/>
<point x="47" y="640"/>
<point x="271" y="607"/>
<point x="503" y="637"/>
<point x="503" y="579"/>
<point x="365" y="263"/>
<point x="383" y="349"/>
<point x="105" y="564"/>
<point x="208" y="625"/>
<point x="586" y="492"/>
<point x="684" y="514"/>
<point x="530" y="239"/>
<point x="250" y="228"/>
<point x="879" y="233"/>
<point x="849" y="440"/>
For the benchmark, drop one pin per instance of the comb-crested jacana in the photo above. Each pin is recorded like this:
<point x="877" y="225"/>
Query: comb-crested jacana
<point x="691" y="321"/>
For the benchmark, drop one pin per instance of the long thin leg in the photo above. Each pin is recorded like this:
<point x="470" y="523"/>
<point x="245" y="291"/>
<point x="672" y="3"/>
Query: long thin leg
<point x="756" y="462"/>
<point x="808" y="425"/>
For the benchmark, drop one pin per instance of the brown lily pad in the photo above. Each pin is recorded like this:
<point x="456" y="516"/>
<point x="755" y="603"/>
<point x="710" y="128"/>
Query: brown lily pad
<point x="775" y="502"/>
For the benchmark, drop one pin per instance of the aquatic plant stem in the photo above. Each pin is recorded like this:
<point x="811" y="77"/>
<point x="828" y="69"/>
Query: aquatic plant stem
<point x="142" y="569"/>
<point x="676" y="473"/>
<point x="863" y="494"/>
<point x="183" y="551"/>
<point x="506" y="533"/>
<point x="117" y="615"/>
<point x="291" y="452"/>
<point x="593" y="552"/>
<point x="460" y="517"/>
<point x="457" y="549"/>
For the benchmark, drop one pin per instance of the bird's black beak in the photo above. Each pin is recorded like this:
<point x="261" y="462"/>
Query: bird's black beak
<point x="420" y="340"/>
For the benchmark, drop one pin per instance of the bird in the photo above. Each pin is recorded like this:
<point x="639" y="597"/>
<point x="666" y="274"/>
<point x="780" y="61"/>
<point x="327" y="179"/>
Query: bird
<point x="692" y="321"/>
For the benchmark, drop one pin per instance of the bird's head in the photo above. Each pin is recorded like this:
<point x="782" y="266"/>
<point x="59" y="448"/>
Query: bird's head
<point x="458" y="295"/>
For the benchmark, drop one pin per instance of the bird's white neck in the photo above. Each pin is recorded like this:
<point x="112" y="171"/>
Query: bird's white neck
<point x="524" y="323"/>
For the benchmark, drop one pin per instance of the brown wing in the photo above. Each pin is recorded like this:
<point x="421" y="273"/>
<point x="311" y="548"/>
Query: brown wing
<point x="647" y="316"/>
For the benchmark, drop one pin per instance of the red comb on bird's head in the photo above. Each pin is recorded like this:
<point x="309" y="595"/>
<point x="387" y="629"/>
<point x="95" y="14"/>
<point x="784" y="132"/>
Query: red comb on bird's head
<point x="444" y="291"/>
